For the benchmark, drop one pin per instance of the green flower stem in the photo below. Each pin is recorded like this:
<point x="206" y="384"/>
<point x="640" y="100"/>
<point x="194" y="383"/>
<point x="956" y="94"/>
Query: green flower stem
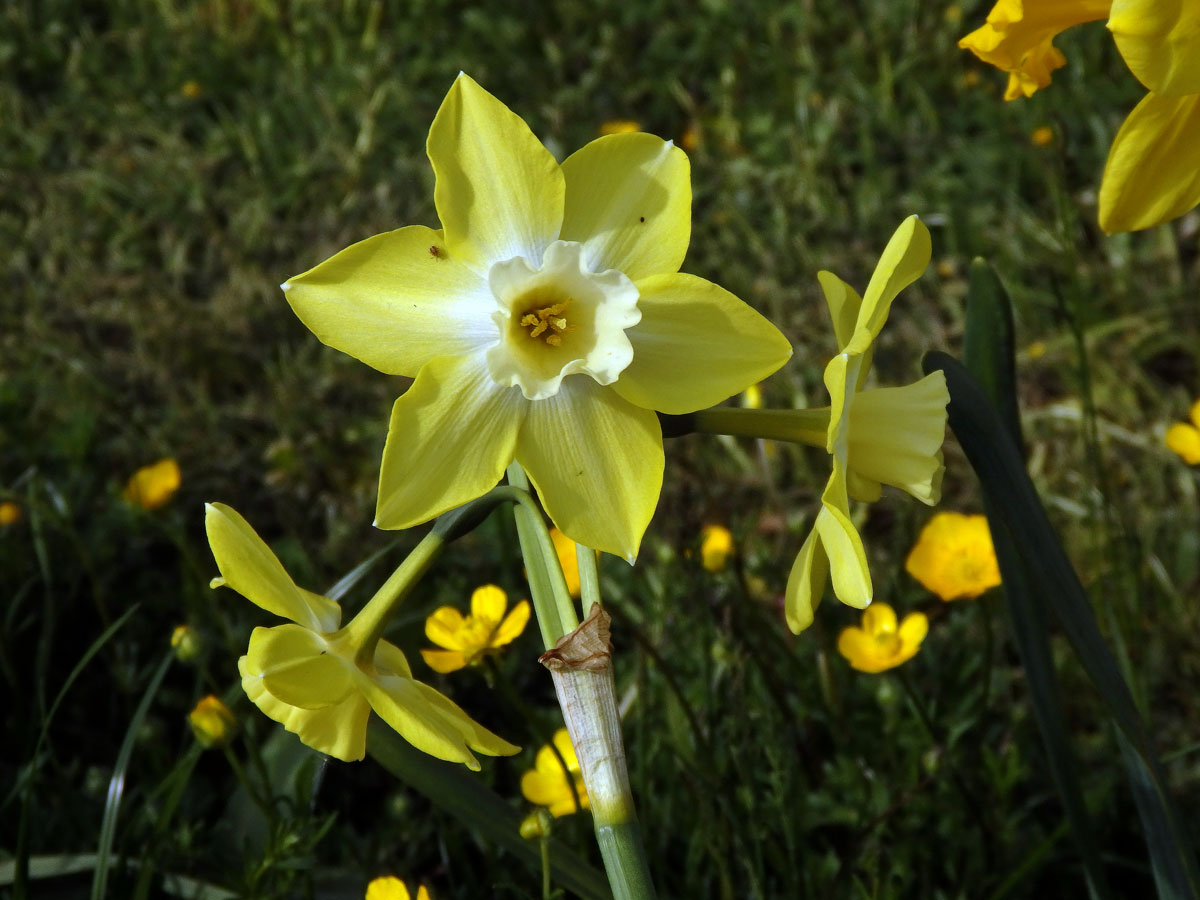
<point x="589" y="577"/>
<point x="547" y="585"/>
<point x="798" y="426"/>
<point x="625" y="860"/>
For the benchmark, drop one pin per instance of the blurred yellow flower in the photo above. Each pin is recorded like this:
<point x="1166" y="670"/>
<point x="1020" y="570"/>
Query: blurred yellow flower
<point x="1042" y="136"/>
<point x="1184" y="439"/>
<point x="565" y="548"/>
<point x="880" y="644"/>
<point x="716" y="546"/>
<point x="752" y="397"/>
<point x="152" y="486"/>
<point x="690" y="139"/>
<point x="1153" y="170"/>
<point x="547" y="322"/>
<point x="191" y="89"/>
<point x="971" y="77"/>
<point x="389" y="887"/>
<point x="468" y="638"/>
<point x="321" y="680"/>
<point x="546" y="784"/>
<point x="10" y="513"/>
<point x="875" y="437"/>
<point x="620" y="126"/>
<point x="212" y="722"/>
<point x="186" y="643"/>
<point x="954" y="556"/>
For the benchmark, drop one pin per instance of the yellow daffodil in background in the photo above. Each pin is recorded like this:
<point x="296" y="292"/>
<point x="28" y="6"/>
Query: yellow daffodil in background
<point x="389" y="887"/>
<point x="882" y="644"/>
<point x="620" y="126"/>
<point x="1153" y="169"/>
<point x="954" y="556"/>
<point x="320" y="680"/>
<point x="876" y="436"/>
<point x="546" y="322"/>
<point x="564" y="548"/>
<point x="10" y="513"/>
<point x="716" y="546"/>
<point x="1184" y="439"/>
<point x="152" y="486"/>
<point x="467" y="638"/>
<point x="212" y="722"/>
<point x="547" y="784"/>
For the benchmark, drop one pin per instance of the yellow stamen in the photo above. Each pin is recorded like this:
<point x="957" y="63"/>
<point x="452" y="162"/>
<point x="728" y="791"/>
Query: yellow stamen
<point x="548" y="321"/>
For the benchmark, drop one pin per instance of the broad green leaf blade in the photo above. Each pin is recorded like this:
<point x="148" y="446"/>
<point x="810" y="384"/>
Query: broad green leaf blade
<point x="989" y="344"/>
<point x="1017" y="510"/>
<point x="483" y="810"/>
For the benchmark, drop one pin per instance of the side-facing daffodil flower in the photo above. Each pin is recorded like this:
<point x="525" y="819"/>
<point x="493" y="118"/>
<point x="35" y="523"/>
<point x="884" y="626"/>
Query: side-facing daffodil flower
<point x="545" y="322"/>
<point x="1153" y="169"/>
<point x="1184" y="439"/>
<point x="467" y="638"/>
<point x="954" y="556"/>
<point x="389" y="887"/>
<point x="876" y="436"/>
<point x="880" y="644"/>
<point x="320" y="680"/>
<point x="546" y="784"/>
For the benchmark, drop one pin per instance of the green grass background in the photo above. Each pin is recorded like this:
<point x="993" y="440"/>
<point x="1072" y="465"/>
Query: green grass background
<point x="146" y="227"/>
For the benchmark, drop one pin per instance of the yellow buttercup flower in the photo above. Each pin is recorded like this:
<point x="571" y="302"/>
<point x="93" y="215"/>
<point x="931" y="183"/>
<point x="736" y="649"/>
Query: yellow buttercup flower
<point x="152" y="486"/>
<point x="1042" y="136"/>
<point x="10" y="513"/>
<point x="546" y="784"/>
<point x="877" y="436"/>
<point x="954" y="556"/>
<point x="212" y="722"/>
<point x="320" y="680"/>
<point x="186" y="643"/>
<point x="468" y="638"/>
<point x="564" y="548"/>
<point x="1184" y="439"/>
<point x="1153" y="170"/>
<point x="620" y="126"/>
<point x="882" y="644"/>
<point x="389" y="887"/>
<point x="716" y="546"/>
<point x="546" y="322"/>
<point x="752" y="397"/>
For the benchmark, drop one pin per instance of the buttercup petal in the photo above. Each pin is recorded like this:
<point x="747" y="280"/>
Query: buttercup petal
<point x="339" y="731"/>
<point x="249" y="567"/>
<point x="629" y="202"/>
<point x="513" y="625"/>
<point x="597" y="463"/>
<point x="912" y="631"/>
<point x="1160" y="41"/>
<point x="396" y="301"/>
<point x="859" y="649"/>
<point x="685" y="319"/>
<point x="806" y="583"/>
<point x="878" y="619"/>
<point x="1153" y="169"/>
<point x="444" y="627"/>
<point x="296" y="667"/>
<point x="489" y="602"/>
<point x="451" y="436"/>
<point x="499" y="192"/>
<point x="444" y="661"/>
<point x="1184" y="440"/>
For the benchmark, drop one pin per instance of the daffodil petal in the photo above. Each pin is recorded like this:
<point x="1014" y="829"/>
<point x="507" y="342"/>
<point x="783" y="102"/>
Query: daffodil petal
<point x="843" y="302"/>
<point x="444" y="627"/>
<point x="451" y="436"/>
<point x="513" y="625"/>
<point x="904" y="259"/>
<point x="444" y="661"/>
<point x="597" y="463"/>
<point x="339" y="730"/>
<point x="629" y="202"/>
<point x="249" y="567"/>
<point x="806" y="583"/>
<point x="488" y="602"/>
<point x="1153" y="169"/>
<point x="847" y="559"/>
<point x="296" y="667"/>
<point x="499" y="192"/>
<point x="896" y="434"/>
<point x="390" y="660"/>
<point x="1184" y="440"/>
<point x="686" y="320"/>
<point x="1160" y="42"/>
<point x="395" y="301"/>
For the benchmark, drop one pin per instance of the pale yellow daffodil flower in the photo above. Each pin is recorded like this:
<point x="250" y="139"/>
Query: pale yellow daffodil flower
<point x="320" y="680"/>
<point x="1153" y="169"/>
<point x="545" y="322"/>
<point x="876" y="436"/>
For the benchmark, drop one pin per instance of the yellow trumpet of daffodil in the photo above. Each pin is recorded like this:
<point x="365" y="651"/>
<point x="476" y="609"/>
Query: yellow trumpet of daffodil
<point x="1153" y="169"/>
<point x="882" y="643"/>
<point x="467" y="639"/>
<point x="321" y="680"/>
<point x="876" y="436"/>
<point x="546" y="784"/>
<point x="545" y="322"/>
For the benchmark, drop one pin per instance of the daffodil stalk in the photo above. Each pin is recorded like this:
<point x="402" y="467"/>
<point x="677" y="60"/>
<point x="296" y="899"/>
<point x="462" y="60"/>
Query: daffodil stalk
<point x="798" y="426"/>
